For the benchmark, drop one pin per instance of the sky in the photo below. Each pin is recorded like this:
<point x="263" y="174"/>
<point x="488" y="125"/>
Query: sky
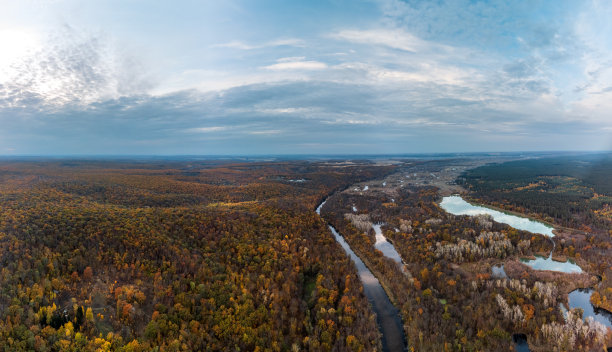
<point x="139" y="77"/>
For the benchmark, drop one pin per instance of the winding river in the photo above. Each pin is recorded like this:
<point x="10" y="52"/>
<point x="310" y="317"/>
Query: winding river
<point x="387" y="316"/>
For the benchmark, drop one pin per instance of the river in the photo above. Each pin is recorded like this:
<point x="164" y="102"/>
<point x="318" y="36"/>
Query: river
<point x="387" y="316"/>
<point x="383" y="245"/>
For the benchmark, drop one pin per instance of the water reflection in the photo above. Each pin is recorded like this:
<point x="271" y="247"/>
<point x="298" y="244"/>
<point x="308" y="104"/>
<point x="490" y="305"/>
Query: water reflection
<point x="457" y="206"/>
<point x="581" y="298"/>
<point x="542" y="263"/>
<point x="387" y="316"/>
<point x="520" y="343"/>
<point x="497" y="271"/>
<point x="383" y="245"/>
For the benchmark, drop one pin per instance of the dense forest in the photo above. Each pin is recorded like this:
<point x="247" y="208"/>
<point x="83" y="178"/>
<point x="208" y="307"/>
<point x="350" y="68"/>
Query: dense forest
<point x="572" y="191"/>
<point x="225" y="255"/>
<point x="177" y="256"/>
<point x="445" y="290"/>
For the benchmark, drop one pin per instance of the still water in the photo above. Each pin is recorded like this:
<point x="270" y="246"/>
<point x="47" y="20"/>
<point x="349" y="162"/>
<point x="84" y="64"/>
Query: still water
<point x="581" y="298"/>
<point x="497" y="271"/>
<point x="457" y="206"/>
<point x="541" y="263"/>
<point x="383" y="245"/>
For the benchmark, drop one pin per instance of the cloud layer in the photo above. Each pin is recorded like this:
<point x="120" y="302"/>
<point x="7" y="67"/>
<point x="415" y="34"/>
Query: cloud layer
<point x="409" y="77"/>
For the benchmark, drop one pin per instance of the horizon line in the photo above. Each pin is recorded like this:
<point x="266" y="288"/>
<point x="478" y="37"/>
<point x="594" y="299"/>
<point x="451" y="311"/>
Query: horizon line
<point x="281" y="155"/>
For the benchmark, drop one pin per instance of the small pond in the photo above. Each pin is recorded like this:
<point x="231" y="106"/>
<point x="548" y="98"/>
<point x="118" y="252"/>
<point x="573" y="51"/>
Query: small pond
<point x="542" y="263"/>
<point x="520" y="343"/>
<point x="498" y="271"/>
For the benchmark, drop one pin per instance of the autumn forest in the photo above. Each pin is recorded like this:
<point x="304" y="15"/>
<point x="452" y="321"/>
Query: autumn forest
<point x="227" y="255"/>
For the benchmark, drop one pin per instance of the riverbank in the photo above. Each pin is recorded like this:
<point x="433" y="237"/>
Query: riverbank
<point x="379" y="295"/>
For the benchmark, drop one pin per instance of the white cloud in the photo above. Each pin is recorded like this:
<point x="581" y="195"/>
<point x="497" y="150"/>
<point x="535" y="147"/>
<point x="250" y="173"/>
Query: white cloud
<point x="395" y="74"/>
<point x="70" y="67"/>
<point x="283" y="64"/>
<point x="207" y="129"/>
<point x="282" y="111"/>
<point x="265" y="132"/>
<point x="219" y="80"/>
<point x="424" y="73"/>
<point x="235" y="44"/>
<point x="239" y="45"/>
<point x="292" y="59"/>
<point x="392" y="38"/>
<point x="16" y="44"/>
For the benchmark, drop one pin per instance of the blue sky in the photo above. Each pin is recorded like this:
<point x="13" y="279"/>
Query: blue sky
<point x="304" y="77"/>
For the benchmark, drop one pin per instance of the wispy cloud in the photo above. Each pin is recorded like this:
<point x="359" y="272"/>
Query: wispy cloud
<point x="265" y="132"/>
<point x="211" y="129"/>
<point x="296" y="64"/>
<point x="283" y="111"/>
<point x="407" y="76"/>
<point x="72" y="68"/>
<point x="239" y="45"/>
<point x="392" y="38"/>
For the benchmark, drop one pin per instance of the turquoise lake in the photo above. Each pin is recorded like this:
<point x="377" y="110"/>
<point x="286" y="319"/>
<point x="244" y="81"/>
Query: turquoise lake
<point x="457" y="206"/>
